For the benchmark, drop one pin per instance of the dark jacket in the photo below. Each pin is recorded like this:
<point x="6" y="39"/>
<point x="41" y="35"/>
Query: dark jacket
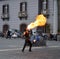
<point x="26" y="35"/>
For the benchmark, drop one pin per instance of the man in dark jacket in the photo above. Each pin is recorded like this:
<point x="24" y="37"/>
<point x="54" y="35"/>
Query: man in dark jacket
<point x="8" y="34"/>
<point x="27" y="41"/>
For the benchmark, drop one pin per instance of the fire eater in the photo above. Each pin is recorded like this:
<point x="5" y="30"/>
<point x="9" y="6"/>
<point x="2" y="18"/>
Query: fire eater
<point x="27" y="40"/>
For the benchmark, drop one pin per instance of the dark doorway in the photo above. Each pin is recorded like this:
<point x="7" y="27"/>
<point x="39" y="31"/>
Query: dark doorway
<point x="5" y="28"/>
<point x="23" y="27"/>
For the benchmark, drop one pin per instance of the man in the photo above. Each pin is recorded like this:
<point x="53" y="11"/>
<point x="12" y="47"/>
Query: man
<point x="8" y="34"/>
<point x="27" y="41"/>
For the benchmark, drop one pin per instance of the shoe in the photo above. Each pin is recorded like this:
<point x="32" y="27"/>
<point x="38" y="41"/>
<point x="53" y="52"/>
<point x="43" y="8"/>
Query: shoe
<point x="30" y="51"/>
<point x="22" y="50"/>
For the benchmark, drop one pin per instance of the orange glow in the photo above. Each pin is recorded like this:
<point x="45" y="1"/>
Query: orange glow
<point x="40" y="21"/>
<point x="31" y="26"/>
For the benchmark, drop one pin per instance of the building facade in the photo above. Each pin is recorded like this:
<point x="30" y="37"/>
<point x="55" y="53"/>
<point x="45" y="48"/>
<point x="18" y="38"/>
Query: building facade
<point x="17" y="14"/>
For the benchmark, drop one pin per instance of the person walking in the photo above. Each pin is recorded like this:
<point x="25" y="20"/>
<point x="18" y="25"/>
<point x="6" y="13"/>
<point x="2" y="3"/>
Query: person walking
<point x="27" y="40"/>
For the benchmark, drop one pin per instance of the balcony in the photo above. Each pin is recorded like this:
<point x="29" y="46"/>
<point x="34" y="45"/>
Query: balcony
<point x="22" y="14"/>
<point x="5" y="16"/>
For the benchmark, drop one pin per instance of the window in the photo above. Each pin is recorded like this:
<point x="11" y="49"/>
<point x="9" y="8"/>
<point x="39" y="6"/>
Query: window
<point x="5" y="9"/>
<point x="23" y="6"/>
<point x="23" y="10"/>
<point x="43" y="7"/>
<point x="5" y="12"/>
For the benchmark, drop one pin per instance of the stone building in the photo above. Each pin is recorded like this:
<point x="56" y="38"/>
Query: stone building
<point x="17" y="14"/>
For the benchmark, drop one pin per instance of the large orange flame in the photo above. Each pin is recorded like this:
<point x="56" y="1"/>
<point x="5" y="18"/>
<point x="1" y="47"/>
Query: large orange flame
<point x="40" y="21"/>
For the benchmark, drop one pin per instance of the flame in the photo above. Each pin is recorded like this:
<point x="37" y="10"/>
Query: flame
<point x="40" y="21"/>
<point x="31" y="26"/>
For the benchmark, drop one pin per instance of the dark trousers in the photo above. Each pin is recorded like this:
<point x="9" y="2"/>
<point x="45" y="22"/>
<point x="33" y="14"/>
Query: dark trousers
<point x="29" y="43"/>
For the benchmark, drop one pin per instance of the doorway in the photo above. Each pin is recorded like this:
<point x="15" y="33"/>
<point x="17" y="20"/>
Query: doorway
<point x="5" y="28"/>
<point x="23" y="27"/>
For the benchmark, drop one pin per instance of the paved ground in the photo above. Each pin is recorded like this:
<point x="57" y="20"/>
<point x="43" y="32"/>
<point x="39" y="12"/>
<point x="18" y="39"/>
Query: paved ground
<point x="37" y="53"/>
<point x="11" y="49"/>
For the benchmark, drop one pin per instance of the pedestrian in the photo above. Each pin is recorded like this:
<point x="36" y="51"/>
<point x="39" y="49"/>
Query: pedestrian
<point x="27" y="40"/>
<point x="8" y="34"/>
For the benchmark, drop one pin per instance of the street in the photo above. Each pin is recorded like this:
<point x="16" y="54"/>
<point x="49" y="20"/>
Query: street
<point x="11" y="49"/>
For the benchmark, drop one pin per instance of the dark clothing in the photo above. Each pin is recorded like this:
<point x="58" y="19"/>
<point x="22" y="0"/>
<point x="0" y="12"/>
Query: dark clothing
<point x="26" y="36"/>
<point x="8" y="34"/>
<point x="27" y="41"/>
